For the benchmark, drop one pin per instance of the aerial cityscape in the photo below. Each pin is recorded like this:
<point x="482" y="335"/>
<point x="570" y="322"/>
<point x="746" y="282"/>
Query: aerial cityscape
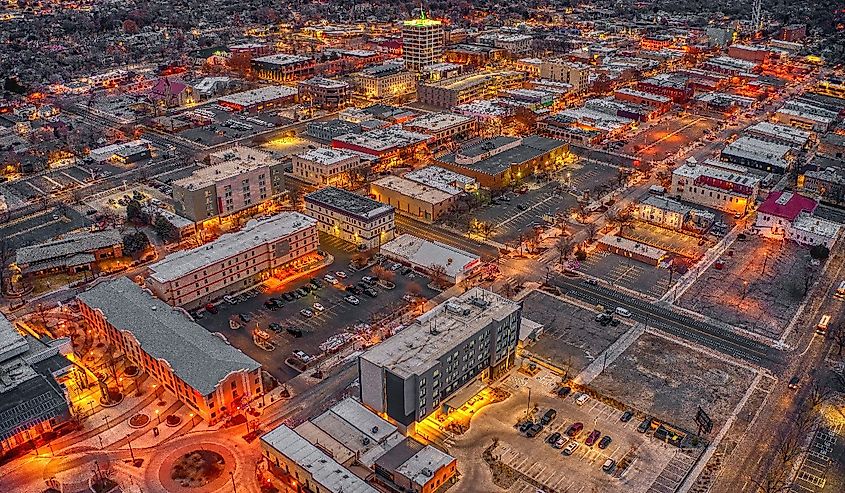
<point x="565" y="246"/>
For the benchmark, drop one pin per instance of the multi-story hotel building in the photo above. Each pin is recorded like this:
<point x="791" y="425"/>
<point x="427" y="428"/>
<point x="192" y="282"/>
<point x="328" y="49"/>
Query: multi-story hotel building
<point x="239" y="178"/>
<point x="323" y="166"/>
<point x="385" y="81"/>
<point x="572" y="73"/>
<point x="235" y="261"/>
<point x="351" y="217"/>
<point x="461" y="342"/>
<point x="716" y="184"/>
<point x="422" y="42"/>
<point x="283" y="67"/>
<point x="448" y="93"/>
<point x="200" y="368"/>
<point x="324" y="93"/>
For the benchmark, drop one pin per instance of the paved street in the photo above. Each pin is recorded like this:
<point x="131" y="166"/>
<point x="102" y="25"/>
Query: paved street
<point x="435" y="233"/>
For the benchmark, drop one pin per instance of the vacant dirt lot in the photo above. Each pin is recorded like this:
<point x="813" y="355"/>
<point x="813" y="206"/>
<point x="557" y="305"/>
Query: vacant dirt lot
<point x="670" y="381"/>
<point x="759" y="288"/>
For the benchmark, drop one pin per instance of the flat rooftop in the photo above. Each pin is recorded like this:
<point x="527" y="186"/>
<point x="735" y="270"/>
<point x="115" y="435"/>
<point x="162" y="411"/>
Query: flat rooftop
<point x="437" y="122"/>
<point x="415" y="190"/>
<point x="71" y="244"/>
<point x="348" y="202"/>
<point x="258" y="96"/>
<point x="325" y="156"/>
<point x="332" y="476"/>
<point x="504" y="152"/>
<point x="419" y="346"/>
<point x="385" y="139"/>
<point x="758" y="150"/>
<point x="256" y="232"/>
<point x="719" y="170"/>
<point x="441" y="179"/>
<point x="784" y="133"/>
<point x="282" y="59"/>
<point x="201" y="359"/>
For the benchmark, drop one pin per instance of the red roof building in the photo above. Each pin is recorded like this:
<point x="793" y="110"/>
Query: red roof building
<point x="787" y="205"/>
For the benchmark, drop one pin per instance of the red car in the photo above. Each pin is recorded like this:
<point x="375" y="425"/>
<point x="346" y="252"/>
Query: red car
<point x="574" y="429"/>
<point x="591" y="440"/>
<point x="211" y="308"/>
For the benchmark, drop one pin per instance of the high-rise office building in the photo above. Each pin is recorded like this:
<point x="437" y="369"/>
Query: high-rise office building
<point x="422" y="42"/>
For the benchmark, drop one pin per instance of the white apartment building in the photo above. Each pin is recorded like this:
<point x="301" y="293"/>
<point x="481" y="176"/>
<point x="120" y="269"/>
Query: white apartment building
<point x="385" y="81"/>
<point x="354" y="218"/>
<point x="715" y="184"/>
<point x="422" y="42"/>
<point x="235" y="261"/>
<point x="572" y="73"/>
<point x="325" y="167"/>
<point x="237" y="179"/>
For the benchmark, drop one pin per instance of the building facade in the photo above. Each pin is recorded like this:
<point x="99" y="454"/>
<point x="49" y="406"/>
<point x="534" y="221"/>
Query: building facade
<point x="324" y="93"/>
<point x="572" y="73"/>
<point x="469" y="338"/>
<point x="715" y="184"/>
<point x="422" y="42"/>
<point x="235" y="261"/>
<point x="238" y="179"/>
<point x="413" y="199"/>
<point x="448" y="93"/>
<point x="325" y="167"/>
<point x="211" y="377"/>
<point x="351" y="217"/>
<point x="385" y="81"/>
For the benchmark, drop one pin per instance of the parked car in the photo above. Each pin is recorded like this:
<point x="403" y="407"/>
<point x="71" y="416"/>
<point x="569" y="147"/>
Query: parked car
<point x="608" y="466"/>
<point x="564" y="391"/>
<point x="644" y="426"/>
<point x="570" y="449"/>
<point x="353" y="289"/>
<point x="341" y="274"/>
<point x="406" y="271"/>
<point x="794" y="382"/>
<point x="560" y="442"/>
<point x="535" y="429"/>
<point x="351" y="299"/>
<point x="330" y="279"/>
<point x="229" y="299"/>
<point x="296" y="332"/>
<point x="626" y="416"/>
<point x="548" y="416"/>
<point x="369" y="280"/>
<point x="306" y="313"/>
<point x="270" y="305"/>
<point x="601" y="317"/>
<point x="316" y="282"/>
<point x="592" y="438"/>
<point x="591" y="281"/>
<point x="614" y="322"/>
<point x="314" y="286"/>
<point x="605" y="441"/>
<point x="622" y="312"/>
<point x="245" y="317"/>
<point x="553" y="437"/>
<point x="211" y="308"/>
<point x="574" y="429"/>
<point x="288" y="296"/>
<point x="372" y="293"/>
<point x="523" y="427"/>
<point x="275" y="327"/>
<point x="278" y="302"/>
<point x="582" y="399"/>
<point x="319" y="307"/>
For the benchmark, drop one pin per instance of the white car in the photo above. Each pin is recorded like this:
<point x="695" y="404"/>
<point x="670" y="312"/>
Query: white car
<point x="570" y="449"/>
<point x="582" y="399"/>
<point x="306" y="313"/>
<point x="330" y="279"/>
<point x="352" y="300"/>
<point x="341" y="274"/>
<point x="319" y="307"/>
<point x="622" y="312"/>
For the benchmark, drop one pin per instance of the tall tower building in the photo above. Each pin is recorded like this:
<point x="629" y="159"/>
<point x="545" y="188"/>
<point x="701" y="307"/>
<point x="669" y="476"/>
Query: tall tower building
<point x="422" y="42"/>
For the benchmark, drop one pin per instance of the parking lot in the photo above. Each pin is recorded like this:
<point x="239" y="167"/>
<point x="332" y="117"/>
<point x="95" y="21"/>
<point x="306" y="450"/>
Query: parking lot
<point x="517" y="213"/>
<point x="42" y="226"/>
<point x="338" y="315"/>
<point x="66" y="178"/>
<point x="571" y="336"/>
<point x="673" y="133"/>
<point x="628" y="273"/>
<point x="639" y="459"/>
<point x="226" y="125"/>
<point x="668" y="239"/>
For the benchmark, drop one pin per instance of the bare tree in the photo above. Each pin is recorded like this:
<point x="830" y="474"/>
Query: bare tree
<point x="438" y="274"/>
<point x="591" y="230"/>
<point x="838" y="336"/>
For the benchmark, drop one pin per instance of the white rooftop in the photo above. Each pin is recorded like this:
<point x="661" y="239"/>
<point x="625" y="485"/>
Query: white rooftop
<point x="418" y="191"/>
<point x="437" y="122"/>
<point x="759" y="150"/>
<point x="260" y="95"/>
<point x="816" y="225"/>
<point x="333" y="477"/>
<point x="384" y="139"/>
<point x="228" y="164"/>
<point x="421" y="467"/>
<point x="720" y="170"/>
<point x="282" y="59"/>
<point x="633" y="246"/>
<point x="442" y="179"/>
<point x="256" y="232"/>
<point x="786" y="133"/>
<point x="438" y="331"/>
<point x="325" y="156"/>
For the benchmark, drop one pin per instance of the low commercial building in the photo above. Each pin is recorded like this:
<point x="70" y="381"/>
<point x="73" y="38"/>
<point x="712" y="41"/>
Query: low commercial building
<point x="326" y="131"/>
<point x="72" y="253"/>
<point x="263" y="98"/>
<point x="204" y="372"/>
<point x="672" y="214"/>
<point x="413" y="467"/>
<point x="391" y="145"/>
<point x="112" y="152"/>
<point x="828" y="184"/>
<point x="641" y="97"/>
<point x="443" y="179"/>
<point x="759" y="154"/>
<point x="832" y="145"/>
<point x="235" y="261"/>
<point x="671" y="85"/>
<point x="441" y="358"/>
<point x="238" y="179"/>
<point x="385" y="81"/>
<point x="780" y="134"/>
<point x="413" y="199"/>
<point x="807" y="116"/>
<point x="449" y="93"/>
<point x="306" y="467"/>
<point x="790" y="215"/>
<point x="351" y="217"/>
<point x="625" y="247"/>
<point x="496" y="163"/>
<point x="283" y="67"/>
<point x="432" y="258"/>
<point x="715" y="184"/>
<point x="324" y="93"/>
<point x="443" y="128"/>
<point x="325" y="167"/>
<point x="569" y="130"/>
<point x="33" y="391"/>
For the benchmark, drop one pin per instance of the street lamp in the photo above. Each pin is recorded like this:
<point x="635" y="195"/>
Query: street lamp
<point x="158" y="416"/>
